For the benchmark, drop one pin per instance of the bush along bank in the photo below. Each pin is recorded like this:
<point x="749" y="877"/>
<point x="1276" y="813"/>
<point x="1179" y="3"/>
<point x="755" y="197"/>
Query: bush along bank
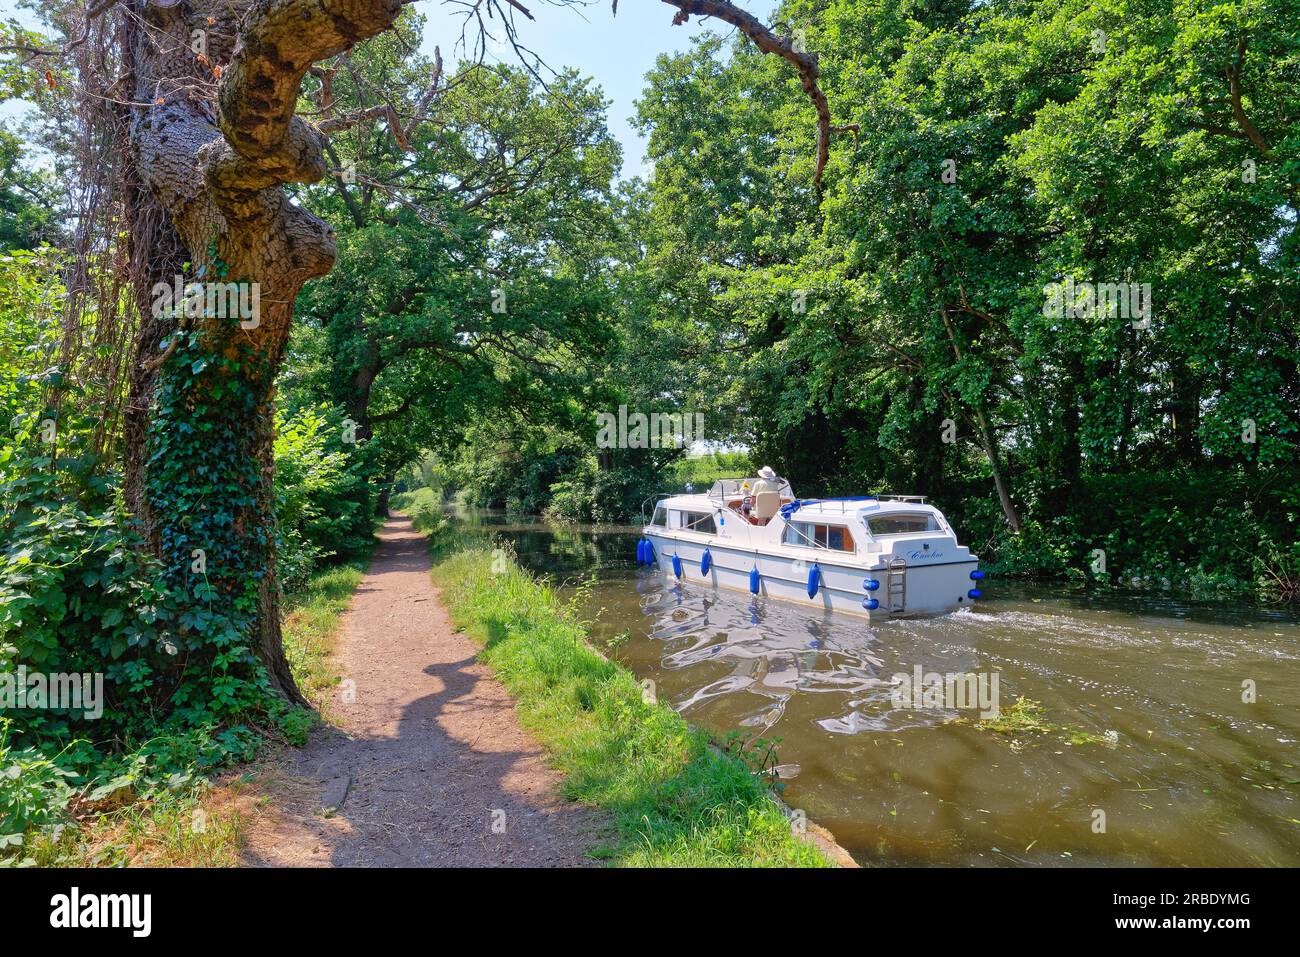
<point x="161" y="643"/>
<point x="152" y="802"/>
<point x="675" y="798"/>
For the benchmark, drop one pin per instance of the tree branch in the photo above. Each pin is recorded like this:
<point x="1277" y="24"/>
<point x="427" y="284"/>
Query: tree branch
<point x="767" y="41"/>
<point x="1238" y="111"/>
<point x="264" y="143"/>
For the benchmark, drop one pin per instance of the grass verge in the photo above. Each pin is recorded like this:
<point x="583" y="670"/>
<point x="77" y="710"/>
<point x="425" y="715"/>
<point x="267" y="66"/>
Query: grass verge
<point x="311" y="621"/>
<point x="676" y="799"/>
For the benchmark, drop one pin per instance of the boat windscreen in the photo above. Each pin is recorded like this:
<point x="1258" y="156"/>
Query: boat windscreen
<point x="905" y="524"/>
<point x="735" y="488"/>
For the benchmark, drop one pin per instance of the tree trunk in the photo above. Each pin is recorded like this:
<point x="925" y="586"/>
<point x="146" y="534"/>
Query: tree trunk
<point x="211" y="139"/>
<point x="1067" y="492"/>
<point x="361" y="385"/>
<point x="990" y="443"/>
<point x="1185" y="415"/>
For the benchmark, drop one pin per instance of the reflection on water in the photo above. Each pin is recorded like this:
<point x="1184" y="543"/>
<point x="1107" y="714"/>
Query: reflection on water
<point x="1150" y="691"/>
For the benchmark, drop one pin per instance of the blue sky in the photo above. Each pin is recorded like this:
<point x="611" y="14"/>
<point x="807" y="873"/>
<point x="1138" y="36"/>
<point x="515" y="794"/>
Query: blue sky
<point x="615" y="50"/>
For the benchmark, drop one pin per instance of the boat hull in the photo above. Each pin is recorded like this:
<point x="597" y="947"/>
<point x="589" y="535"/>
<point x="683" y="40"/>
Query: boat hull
<point x="930" y="589"/>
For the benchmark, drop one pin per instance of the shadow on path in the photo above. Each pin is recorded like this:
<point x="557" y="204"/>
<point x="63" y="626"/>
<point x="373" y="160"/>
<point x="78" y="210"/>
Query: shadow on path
<point x="428" y="749"/>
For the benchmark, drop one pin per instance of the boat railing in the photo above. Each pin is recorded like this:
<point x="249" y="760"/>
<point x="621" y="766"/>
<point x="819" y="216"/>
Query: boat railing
<point x="657" y="497"/>
<point x="854" y="503"/>
<point x="725" y="489"/>
<point x="794" y="505"/>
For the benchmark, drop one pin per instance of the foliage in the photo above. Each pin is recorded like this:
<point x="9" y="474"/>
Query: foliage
<point x="1001" y="148"/>
<point x="81" y="594"/>
<point x="485" y="298"/>
<point x="27" y="200"/>
<point x="78" y="593"/>
<point x="214" y="544"/>
<point x="323" y="504"/>
<point x="593" y="494"/>
<point x="34" y="791"/>
<point x="424" y="507"/>
<point x="701" y="471"/>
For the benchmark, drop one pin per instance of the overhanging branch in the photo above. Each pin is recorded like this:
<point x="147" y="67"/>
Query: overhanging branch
<point x="769" y="42"/>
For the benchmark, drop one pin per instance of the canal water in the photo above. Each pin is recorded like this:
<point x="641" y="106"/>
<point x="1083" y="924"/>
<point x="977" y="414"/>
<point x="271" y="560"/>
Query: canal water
<point x="1151" y="756"/>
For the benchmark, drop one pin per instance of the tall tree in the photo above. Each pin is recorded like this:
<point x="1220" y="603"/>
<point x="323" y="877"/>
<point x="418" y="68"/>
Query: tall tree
<point x="203" y="99"/>
<point x="472" y="269"/>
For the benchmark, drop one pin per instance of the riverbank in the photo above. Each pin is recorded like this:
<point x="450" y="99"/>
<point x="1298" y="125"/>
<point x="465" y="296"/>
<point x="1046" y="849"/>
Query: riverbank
<point x="676" y="799"/>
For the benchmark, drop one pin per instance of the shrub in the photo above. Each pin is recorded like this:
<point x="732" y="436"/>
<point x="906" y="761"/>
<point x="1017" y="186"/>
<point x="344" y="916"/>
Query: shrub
<point x="323" y="500"/>
<point x="34" y="792"/>
<point x="423" y="506"/>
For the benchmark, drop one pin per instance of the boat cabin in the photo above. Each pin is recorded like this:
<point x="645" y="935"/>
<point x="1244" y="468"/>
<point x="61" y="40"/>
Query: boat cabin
<point x="767" y="541"/>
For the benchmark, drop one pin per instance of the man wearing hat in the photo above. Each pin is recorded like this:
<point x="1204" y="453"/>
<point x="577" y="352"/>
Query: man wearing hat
<point x="767" y="481"/>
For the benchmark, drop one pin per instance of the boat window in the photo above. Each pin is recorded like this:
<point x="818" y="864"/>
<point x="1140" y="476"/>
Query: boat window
<point x="902" y="524"/>
<point x="699" y="522"/>
<point x="811" y="535"/>
<point x="660" y="517"/>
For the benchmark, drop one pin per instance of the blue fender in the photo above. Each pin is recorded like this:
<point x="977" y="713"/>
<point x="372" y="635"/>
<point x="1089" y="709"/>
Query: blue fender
<point x="976" y="575"/>
<point x="871" y="604"/>
<point x="677" y="565"/>
<point x="814" y="580"/>
<point x="975" y="593"/>
<point x="650" y="553"/>
<point x="640" y="551"/>
<point x="871" y="584"/>
<point x="706" y="562"/>
<point x="753" y="580"/>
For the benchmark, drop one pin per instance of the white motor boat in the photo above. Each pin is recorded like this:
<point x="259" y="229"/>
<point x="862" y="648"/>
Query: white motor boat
<point x="877" y="555"/>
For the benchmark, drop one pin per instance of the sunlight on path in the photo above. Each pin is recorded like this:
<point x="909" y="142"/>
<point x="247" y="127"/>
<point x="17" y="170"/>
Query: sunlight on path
<point x="429" y="762"/>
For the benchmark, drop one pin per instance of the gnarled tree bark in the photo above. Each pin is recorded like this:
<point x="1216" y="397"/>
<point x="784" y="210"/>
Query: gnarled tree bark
<point x="212" y="138"/>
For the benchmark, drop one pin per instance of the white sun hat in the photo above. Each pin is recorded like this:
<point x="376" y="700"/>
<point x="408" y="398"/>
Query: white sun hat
<point x="766" y="472"/>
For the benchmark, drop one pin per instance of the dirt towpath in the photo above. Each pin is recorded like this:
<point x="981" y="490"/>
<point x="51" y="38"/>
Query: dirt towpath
<point x="426" y="764"/>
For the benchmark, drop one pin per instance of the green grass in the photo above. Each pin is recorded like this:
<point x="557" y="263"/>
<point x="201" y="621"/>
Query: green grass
<point x="311" y="620"/>
<point x="674" y="798"/>
<point x="423" y="505"/>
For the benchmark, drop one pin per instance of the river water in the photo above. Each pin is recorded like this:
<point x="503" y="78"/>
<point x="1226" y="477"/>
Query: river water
<point x="1153" y="757"/>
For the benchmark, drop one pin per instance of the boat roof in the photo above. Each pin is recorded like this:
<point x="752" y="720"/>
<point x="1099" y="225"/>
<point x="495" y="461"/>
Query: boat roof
<point x="866" y="503"/>
<point x="821" y="507"/>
